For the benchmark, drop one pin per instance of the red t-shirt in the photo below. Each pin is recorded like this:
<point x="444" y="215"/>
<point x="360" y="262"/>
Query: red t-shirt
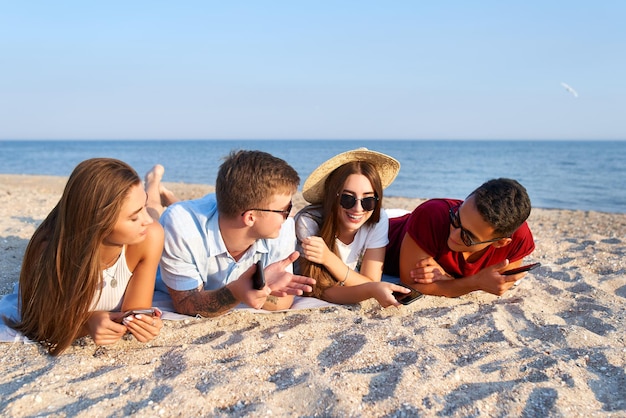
<point x="429" y="226"/>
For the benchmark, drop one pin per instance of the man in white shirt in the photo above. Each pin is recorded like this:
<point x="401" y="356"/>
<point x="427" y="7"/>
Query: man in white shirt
<point x="212" y="243"/>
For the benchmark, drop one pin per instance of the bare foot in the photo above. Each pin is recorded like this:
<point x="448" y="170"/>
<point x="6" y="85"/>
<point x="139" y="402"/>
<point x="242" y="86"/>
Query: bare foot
<point x="167" y="196"/>
<point x="153" y="186"/>
<point x="155" y="175"/>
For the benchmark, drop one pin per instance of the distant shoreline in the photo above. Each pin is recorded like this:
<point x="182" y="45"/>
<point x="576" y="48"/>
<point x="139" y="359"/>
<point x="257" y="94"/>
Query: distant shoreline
<point x="193" y="190"/>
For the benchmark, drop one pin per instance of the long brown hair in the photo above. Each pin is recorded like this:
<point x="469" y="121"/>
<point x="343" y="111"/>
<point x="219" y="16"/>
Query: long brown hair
<point x="61" y="271"/>
<point x="330" y="218"/>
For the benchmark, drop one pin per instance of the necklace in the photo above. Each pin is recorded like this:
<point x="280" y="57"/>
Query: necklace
<point x="110" y="275"/>
<point x="109" y="272"/>
<point x="109" y="264"/>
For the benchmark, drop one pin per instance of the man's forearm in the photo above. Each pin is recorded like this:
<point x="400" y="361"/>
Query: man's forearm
<point x="274" y="303"/>
<point x="448" y="288"/>
<point x="207" y="303"/>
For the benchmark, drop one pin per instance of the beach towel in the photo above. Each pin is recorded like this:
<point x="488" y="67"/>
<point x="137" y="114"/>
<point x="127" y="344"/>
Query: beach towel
<point x="8" y="308"/>
<point x="161" y="300"/>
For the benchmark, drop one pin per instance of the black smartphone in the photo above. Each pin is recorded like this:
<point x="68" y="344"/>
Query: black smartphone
<point x="258" y="280"/>
<point x="150" y="311"/>
<point x="522" y="269"/>
<point x="406" y="298"/>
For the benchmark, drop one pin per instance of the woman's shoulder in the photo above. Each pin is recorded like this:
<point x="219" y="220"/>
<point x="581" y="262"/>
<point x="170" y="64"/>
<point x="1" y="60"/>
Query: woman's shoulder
<point x="308" y="221"/>
<point x="155" y="231"/>
<point x="310" y="215"/>
<point x="152" y="244"/>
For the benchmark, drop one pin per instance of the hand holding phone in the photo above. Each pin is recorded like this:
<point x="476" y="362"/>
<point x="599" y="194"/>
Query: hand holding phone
<point x="150" y="312"/>
<point x="521" y="269"/>
<point x="258" y="280"/>
<point x="406" y="298"/>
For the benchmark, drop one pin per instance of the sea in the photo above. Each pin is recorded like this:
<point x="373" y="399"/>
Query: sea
<point x="576" y="175"/>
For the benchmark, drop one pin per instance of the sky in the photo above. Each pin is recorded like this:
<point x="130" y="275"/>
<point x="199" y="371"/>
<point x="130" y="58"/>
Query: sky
<point x="312" y="69"/>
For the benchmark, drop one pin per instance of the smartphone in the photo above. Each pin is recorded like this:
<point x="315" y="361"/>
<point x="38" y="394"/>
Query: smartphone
<point x="150" y="311"/>
<point x="522" y="269"/>
<point x="258" y="280"/>
<point x="406" y="298"/>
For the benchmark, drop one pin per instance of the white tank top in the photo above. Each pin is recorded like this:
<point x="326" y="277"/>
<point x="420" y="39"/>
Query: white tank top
<point x="114" y="282"/>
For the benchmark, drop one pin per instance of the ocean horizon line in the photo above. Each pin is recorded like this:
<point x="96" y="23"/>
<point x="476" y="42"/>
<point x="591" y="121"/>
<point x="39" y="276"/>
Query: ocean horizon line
<point x="583" y="175"/>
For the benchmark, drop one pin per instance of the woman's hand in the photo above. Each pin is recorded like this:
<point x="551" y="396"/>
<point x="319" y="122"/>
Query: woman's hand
<point x="315" y="250"/>
<point x="104" y="329"/>
<point x="383" y="293"/>
<point x="144" y="327"/>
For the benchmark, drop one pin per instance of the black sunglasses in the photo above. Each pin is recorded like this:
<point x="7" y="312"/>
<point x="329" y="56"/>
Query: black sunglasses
<point x="285" y="212"/>
<point x="455" y="221"/>
<point x="347" y="201"/>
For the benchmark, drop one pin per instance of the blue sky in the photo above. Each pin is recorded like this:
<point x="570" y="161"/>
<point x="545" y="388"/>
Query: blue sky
<point x="312" y="69"/>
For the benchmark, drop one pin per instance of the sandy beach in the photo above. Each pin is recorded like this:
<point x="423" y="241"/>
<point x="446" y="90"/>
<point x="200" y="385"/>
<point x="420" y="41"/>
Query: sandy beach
<point x="552" y="346"/>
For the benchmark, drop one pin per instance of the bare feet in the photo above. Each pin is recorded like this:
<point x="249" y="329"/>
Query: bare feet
<point x="167" y="196"/>
<point x="152" y="182"/>
<point x="159" y="197"/>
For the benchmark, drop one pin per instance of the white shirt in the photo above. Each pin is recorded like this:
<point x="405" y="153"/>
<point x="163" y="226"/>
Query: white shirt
<point x="308" y="223"/>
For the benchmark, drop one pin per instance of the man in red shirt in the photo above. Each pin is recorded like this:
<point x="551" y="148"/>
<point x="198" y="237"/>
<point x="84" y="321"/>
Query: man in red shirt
<point x="450" y="247"/>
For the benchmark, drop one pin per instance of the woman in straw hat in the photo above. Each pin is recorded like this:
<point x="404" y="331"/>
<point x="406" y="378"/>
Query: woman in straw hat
<point x="343" y="233"/>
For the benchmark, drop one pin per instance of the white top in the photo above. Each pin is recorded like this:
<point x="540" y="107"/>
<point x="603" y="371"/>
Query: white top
<point x="114" y="282"/>
<point x="308" y="223"/>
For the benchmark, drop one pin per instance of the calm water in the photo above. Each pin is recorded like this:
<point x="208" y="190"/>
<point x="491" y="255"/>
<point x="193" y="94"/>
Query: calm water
<point x="585" y="175"/>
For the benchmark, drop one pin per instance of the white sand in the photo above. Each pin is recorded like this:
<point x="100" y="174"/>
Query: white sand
<point x="552" y="346"/>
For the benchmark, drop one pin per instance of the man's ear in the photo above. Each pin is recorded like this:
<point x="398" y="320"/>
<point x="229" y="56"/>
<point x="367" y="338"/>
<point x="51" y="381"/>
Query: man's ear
<point x="248" y="218"/>
<point x="502" y="242"/>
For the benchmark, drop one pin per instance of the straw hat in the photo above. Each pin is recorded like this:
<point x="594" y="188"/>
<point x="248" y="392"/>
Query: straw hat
<point x="387" y="167"/>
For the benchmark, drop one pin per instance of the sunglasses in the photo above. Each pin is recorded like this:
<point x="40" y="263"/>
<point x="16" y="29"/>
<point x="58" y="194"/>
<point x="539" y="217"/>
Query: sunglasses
<point x="285" y="212"/>
<point x="455" y="221"/>
<point x="347" y="201"/>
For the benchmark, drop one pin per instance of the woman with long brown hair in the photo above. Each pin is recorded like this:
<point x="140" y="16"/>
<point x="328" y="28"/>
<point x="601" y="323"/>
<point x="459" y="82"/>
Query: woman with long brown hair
<point x="342" y="235"/>
<point x="94" y="257"/>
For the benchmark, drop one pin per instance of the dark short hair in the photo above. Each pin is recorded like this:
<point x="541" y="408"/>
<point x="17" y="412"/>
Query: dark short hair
<point x="503" y="203"/>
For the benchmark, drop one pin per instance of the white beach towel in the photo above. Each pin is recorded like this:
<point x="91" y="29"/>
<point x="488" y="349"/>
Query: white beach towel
<point x="8" y="308"/>
<point x="161" y="300"/>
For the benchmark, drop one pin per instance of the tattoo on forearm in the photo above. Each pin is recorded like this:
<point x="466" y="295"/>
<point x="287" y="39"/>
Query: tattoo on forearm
<point x="224" y="297"/>
<point x="207" y="304"/>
